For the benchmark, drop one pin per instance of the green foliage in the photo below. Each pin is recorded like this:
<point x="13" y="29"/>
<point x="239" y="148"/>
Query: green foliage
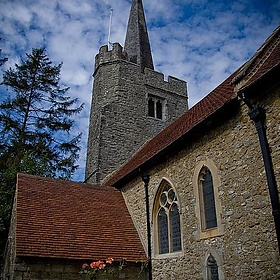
<point x="2" y="60"/>
<point x="36" y="118"/>
<point x="33" y="120"/>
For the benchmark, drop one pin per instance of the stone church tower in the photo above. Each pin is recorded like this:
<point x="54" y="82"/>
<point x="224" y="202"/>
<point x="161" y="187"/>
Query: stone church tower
<point x="131" y="102"/>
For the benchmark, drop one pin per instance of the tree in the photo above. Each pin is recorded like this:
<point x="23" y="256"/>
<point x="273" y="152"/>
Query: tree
<point x="2" y="60"/>
<point x="35" y="122"/>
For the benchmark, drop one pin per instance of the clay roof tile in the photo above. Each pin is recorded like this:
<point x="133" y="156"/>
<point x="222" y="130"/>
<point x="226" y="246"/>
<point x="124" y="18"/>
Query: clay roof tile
<point x="63" y="219"/>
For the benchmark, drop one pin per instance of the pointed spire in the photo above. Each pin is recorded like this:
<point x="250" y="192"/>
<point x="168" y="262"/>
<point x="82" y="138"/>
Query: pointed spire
<point x="137" y="43"/>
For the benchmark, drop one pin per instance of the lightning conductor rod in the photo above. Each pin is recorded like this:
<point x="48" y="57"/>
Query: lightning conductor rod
<point x="110" y="27"/>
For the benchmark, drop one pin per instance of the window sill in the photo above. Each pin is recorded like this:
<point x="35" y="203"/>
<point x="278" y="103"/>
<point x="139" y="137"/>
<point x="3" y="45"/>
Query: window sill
<point x="154" y="118"/>
<point x="168" y="255"/>
<point x="209" y="233"/>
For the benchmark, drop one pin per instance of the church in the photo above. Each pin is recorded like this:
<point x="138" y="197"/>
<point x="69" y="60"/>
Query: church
<point x="170" y="192"/>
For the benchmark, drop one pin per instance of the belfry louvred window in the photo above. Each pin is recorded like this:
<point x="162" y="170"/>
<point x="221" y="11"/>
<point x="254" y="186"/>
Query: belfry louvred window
<point x="155" y="107"/>
<point x="168" y="221"/>
<point x="159" y="109"/>
<point x="151" y="107"/>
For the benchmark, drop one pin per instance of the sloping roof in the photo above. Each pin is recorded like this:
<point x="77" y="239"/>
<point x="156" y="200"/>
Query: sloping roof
<point x="268" y="57"/>
<point x="265" y="59"/>
<point x="63" y="219"/>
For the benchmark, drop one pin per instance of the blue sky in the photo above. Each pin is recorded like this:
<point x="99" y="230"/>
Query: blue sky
<point x="199" y="41"/>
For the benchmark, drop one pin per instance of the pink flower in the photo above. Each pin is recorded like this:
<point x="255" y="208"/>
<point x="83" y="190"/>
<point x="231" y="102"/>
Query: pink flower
<point x="85" y="265"/>
<point x="101" y="265"/>
<point x="109" y="260"/>
<point x="94" y="264"/>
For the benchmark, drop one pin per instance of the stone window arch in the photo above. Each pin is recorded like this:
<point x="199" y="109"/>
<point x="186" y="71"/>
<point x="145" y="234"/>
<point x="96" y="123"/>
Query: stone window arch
<point x="208" y="208"/>
<point x="213" y="267"/>
<point x="167" y="220"/>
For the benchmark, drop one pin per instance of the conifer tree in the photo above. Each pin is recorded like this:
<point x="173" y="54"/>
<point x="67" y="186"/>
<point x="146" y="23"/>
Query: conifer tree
<point x="35" y="120"/>
<point x="2" y="60"/>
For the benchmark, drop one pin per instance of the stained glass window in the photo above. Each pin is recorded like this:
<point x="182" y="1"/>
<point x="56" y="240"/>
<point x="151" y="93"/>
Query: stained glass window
<point x="175" y="227"/>
<point x="208" y="198"/>
<point x="168" y="221"/>
<point x="163" y="231"/>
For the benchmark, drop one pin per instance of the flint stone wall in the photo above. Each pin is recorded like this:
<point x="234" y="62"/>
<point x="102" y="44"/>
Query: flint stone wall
<point x="248" y="248"/>
<point x="56" y="269"/>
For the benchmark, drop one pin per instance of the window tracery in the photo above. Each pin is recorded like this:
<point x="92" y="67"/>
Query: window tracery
<point x="168" y="221"/>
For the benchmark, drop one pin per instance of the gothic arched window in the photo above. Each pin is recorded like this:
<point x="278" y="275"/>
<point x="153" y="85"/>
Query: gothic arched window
<point x="208" y="207"/>
<point x="168" y="226"/>
<point x="212" y="268"/>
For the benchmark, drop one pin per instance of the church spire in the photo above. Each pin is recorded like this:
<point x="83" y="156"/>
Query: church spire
<point x="137" y="43"/>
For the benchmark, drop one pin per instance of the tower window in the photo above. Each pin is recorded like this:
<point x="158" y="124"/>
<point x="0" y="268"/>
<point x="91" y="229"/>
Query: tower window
<point x="155" y="107"/>
<point x="159" y="109"/>
<point x="151" y="107"/>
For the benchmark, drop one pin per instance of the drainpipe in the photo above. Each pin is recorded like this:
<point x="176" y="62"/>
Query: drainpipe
<point x="258" y="116"/>
<point x="146" y="179"/>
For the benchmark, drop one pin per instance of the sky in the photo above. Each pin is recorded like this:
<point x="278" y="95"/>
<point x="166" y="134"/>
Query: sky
<point x="199" y="41"/>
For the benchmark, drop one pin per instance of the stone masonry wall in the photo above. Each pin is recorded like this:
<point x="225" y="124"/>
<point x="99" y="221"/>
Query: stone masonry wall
<point x="10" y="250"/>
<point x="119" y="121"/>
<point x="56" y="269"/>
<point x="248" y="246"/>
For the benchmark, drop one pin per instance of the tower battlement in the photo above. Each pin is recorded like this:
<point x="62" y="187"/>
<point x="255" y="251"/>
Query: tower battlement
<point x="105" y="55"/>
<point x="156" y="79"/>
<point x="150" y="76"/>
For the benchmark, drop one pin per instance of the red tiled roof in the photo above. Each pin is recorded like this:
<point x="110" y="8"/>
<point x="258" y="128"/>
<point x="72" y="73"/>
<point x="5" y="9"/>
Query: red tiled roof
<point x="269" y="55"/>
<point x="264" y="60"/>
<point x="63" y="219"/>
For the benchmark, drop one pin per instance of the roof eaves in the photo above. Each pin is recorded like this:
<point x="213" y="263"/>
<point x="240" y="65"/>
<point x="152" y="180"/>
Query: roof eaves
<point x="257" y="85"/>
<point x="245" y="68"/>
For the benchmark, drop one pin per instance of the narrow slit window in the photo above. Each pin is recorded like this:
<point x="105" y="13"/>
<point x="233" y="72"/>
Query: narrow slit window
<point x="159" y="109"/>
<point x="151" y="108"/>
<point x="208" y="199"/>
<point x="212" y="267"/>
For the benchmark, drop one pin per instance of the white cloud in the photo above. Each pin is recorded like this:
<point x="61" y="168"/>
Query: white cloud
<point x="197" y="40"/>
